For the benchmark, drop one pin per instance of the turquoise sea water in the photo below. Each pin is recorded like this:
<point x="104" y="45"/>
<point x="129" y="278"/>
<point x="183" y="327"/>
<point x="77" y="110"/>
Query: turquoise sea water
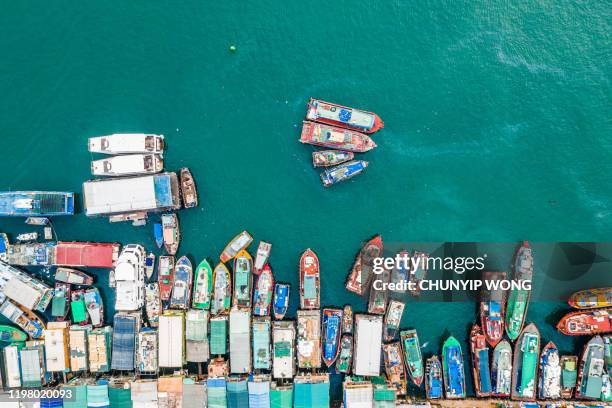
<point x="497" y="122"/>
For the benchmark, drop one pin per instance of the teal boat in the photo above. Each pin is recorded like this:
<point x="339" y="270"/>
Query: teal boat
<point x="412" y="355"/>
<point x="525" y="366"/>
<point x="261" y="343"/>
<point x="518" y="301"/>
<point x="202" y="286"/>
<point x="10" y="334"/>
<point x="452" y="369"/>
<point x="243" y="279"/>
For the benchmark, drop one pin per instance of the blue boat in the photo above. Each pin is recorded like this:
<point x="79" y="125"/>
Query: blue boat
<point x="181" y="289"/>
<point x="433" y="378"/>
<point x="452" y="368"/>
<point x="36" y="203"/>
<point x="332" y="319"/>
<point x="281" y="299"/>
<point x="343" y="172"/>
<point x="158" y="233"/>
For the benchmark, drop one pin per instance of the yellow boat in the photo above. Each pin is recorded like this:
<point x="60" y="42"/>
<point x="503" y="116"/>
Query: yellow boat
<point x="591" y="298"/>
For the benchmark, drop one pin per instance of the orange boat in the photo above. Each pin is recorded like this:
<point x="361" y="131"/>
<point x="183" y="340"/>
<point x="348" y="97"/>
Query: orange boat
<point x="332" y="137"/>
<point x="310" y="281"/>
<point x="343" y="116"/>
<point x="165" y="276"/>
<point x="358" y="280"/>
<point x="492" y="310"/>
<point x="591" y="298"/>
<point x="586" y="323"/>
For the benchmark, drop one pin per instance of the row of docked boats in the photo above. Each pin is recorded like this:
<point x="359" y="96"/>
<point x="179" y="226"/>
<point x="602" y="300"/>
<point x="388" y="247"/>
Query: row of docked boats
<point x="341" y="130"/>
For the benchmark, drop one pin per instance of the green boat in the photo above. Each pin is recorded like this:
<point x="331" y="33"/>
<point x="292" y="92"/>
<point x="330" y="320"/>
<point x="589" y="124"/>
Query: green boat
<point x="10" y="334"/>
<point x="412" y="355"/>
<point x="202" y="287"/>
<point x="518" y="301"/>
<point x="525" y="366"/>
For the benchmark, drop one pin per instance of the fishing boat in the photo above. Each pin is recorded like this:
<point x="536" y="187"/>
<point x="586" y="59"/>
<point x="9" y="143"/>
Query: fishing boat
<point x="347" y="319"/>
<point x="377" y="304"/>
<point x="126" y="143"/>
<point x="332" y="320"/>
<point x="171" y="232"/>
<point x="343" y="172"/>
<point x="27" y="237"/>
<point x="262" y="298"/>
<point x="345" y="357"/>
<point x="243" y="279"/>
<point x="263" y="253"/>
<point x="412" y="355"/>
<point x="10" y="334"/>
<point x="188" y="189"/>
<point x="586" y="322"/>
<point x="452" y="369"/>
<point x="394" y="366"/>
<point x="78" y="308"/>
<point x="361" y="274"/>
<point x="283" y="349"/>
<point x="393" y="319"/>
<point x="281" y="300"/>
<point x="181" y="289"/>
<point x="27" y="320"/>
<point x="40" y="221"/>
<point x="343" y="116"/>
<point x="480" y="362"/>
<point x="4" y="246"/>
<point x="333" y="137"/>
<point x="518" y="300"/>
<point x="608" y="352"/>
<point x="153" y="305"/>
<point x="591" y="370"/>
<point x="158" y="234"/>
<point x="418" y="272"/>
<point x="147" y="351"/>
<point x="549" y="385"/>
<point x="569" y="375"/>
<point x="400" y="274"/>
<point x="202" y="287"/>
<point x="492" y="307"/>
<point x="525" y="365"/>
<point x="591" y="298"/>
<point x="310" y="289"/>
<point x="326" y="158"/>
<point x="150" y="265"/>
<point x="61" y="301"/>
<point x="433" y="378"/>
<point x="262" y="360"/>
<point x="73" y="276"/>
<point x="222" y="290"/>
<point x="127" y="165"/>
<point x="238" y="243"/>
<point x="501" y="370"/>
<point x="165" y="276"/>
<point x="112" y="281"/>
<point x="36" y="203"/>
<point x="94" y="306"/>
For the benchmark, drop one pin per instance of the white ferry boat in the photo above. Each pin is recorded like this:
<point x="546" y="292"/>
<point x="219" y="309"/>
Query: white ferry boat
<point x="127" y="143"/>
<point x="127" y="165"/>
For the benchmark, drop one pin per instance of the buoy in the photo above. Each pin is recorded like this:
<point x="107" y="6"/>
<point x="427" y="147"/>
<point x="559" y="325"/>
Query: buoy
<point x="232" y="48"/>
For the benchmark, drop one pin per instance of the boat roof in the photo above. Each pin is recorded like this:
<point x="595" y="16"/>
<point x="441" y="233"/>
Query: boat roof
<point x="368" y="342"/>
<point x="130" y="163"/>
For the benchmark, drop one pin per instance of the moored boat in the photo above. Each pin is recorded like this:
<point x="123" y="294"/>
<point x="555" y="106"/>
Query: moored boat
<point x="345" y="357"/>
<point x="188" y="189"/>
<point x="591" y="370"/>
<point x="492" y="308"/>
<point x="165" y="276"/>
<point x="310" y="284"/>
<point x="394" y="366"/>
<point x="73" y="276"/>
<point x="361" y="274"/>
<point x="222" y="290"/>
<point x="262" y="298"/>
<point x="343" y="116"/>
<point x="525" y="365"/>
<point x="433" y="378"/>
<point x="181" y="288"/>
<point x="591" y="298"/>
<point x="333" y="137"/>
<point x="343" y="172"/>
<point x="10" y="334"/>
<point x="243" y="279"/>
<point x="332" y="320"/>
<point x="281" y="300"/>
<point x="36" y="203"/>
<point x="149" y="265"/>
<point x="412" y="355"/>
<point x="419" y="271"/>
<point x="42" y="221"/>
<point x="400" y="274"/>
<point x="518" y="300"/>
<point x="569" y="375"/>
<point x="158" y="234"/>
<point x="480" y="362"/>
<point x="60" y="304"/>
<point x="549" y="383"/>
<point x="171" y="232"/>
<point x="127" y="165"/>
<point x="202" y="286"/>
<point x="586" y="322"/>
<point x="94" y="306"/>
<point x="453" y="369"/>
<point x="27" y="237"/>
<point x="238" y="243"/>
<point x="126" y="143"/>
<point x="347" y="319"/>
<point x="377" y="303"/>
<point x="78" y="308"/>
<point x="326" y="158"/>
<point x="501" y="370"/>
<point x="608" y="352"/>
<point x="393" y="319"/>
<point x="262" y="360"/>
<point x="263" y="253"/>
<point x="27" y="320"/>
<point x="153" y="305"/>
